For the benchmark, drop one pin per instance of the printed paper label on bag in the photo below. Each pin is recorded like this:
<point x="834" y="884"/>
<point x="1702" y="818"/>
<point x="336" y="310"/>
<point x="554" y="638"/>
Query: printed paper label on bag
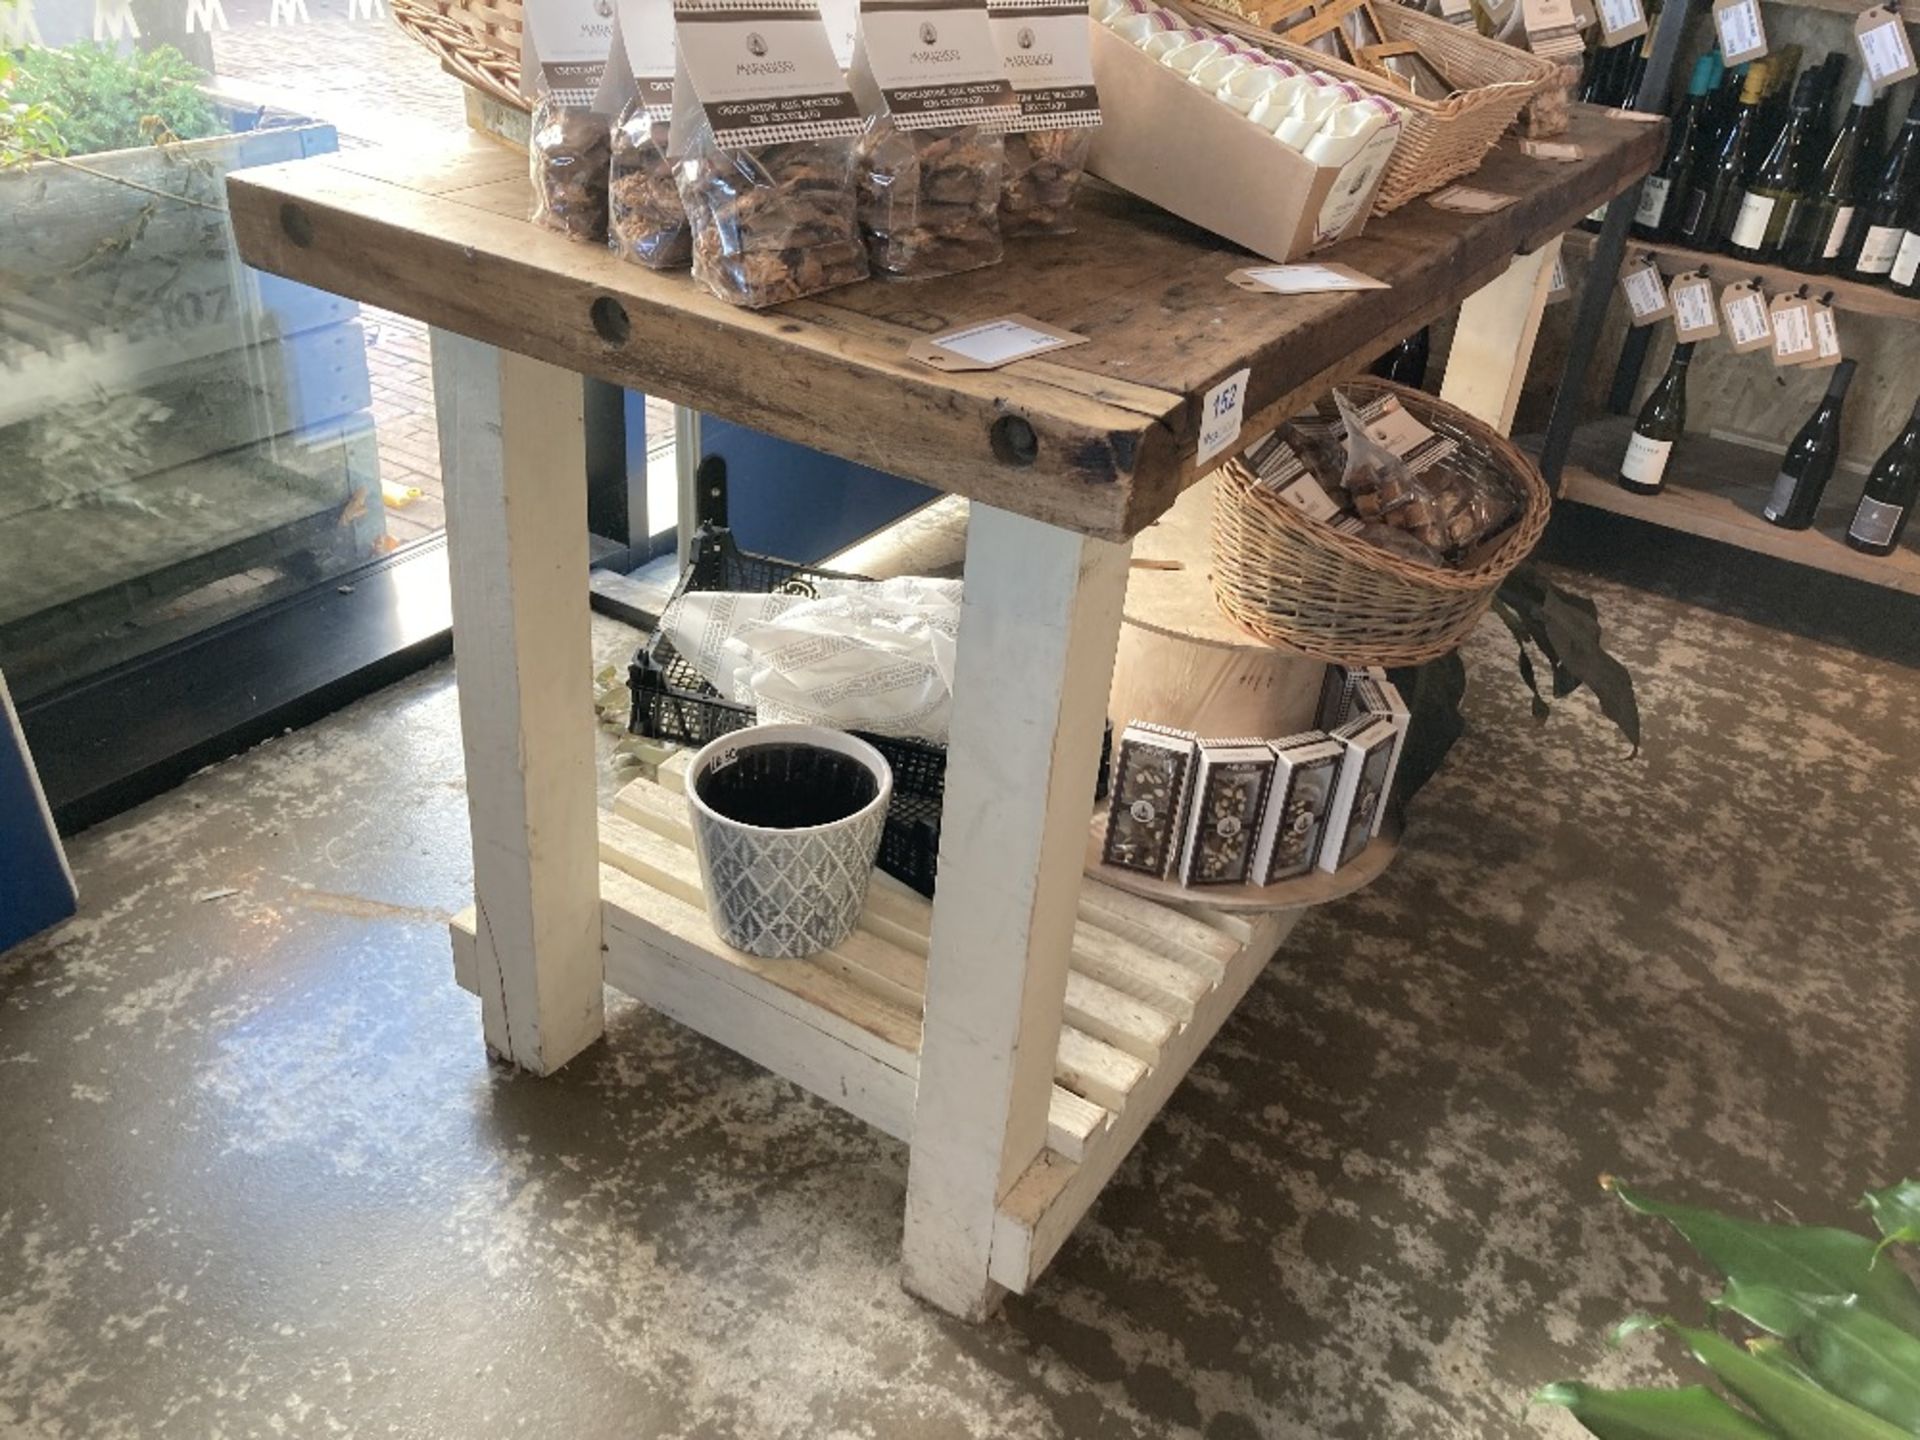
<point x="1875" y="521"/>
<point x="935" y="63"/>
<point x="1745" y="311"/>
<point x="1304" y="279"/>
<point x="1221" y="410"/>
<point x="1045" y="53"/>
<point x="989" y="344"/>
<point x="1394" y="426"/>
<point x="1693" y="313"/>
<point x="1743" y="34"/>
<point x="1885" y="49"/>
<point x="763" y="71"/>
<point x="645" y="34"/>
<point x="1646" y="459"/>
<point x="1646" y="294"/>
<point x="565" y="44"/>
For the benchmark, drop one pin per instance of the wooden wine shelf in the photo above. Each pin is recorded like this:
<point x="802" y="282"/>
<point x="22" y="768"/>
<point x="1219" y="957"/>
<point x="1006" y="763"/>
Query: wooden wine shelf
<point x="1716" y="488"/>
<point x="1848" y="295"/>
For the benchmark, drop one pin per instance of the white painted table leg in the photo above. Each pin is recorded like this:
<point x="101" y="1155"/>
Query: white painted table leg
<point x="514" y="456"/>
<point x="1493" y="342"/>
<point x="1038" y="630"/>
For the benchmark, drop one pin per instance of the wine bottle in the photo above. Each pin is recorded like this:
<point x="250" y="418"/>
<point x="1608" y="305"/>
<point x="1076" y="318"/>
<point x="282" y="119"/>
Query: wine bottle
<point x="1771" y="116"/>
<point x="1643" y="468"/>
<point x="1887" y="500"/>
<point x="1650" y="221"/>
<point x="1809" y="460"/>
<point x="1779" y="182"/>
<point x="1881" y="221"/>
<point x="1713" y="190"/>
<point x="1406" y="363"/>
<point x="1816" y="230"/>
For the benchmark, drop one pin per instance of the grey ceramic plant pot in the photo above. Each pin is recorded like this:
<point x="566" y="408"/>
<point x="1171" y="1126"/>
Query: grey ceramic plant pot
<point x="781" y="890"/>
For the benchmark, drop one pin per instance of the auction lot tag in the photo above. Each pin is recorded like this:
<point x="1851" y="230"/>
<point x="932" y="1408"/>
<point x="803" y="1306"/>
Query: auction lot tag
<point x="1220" y="414"/>
<point x="1646" y="294"/>
<point x="1744" y="309"/>
<point x="1620" y="21"/>
<point x="1826" y="337"/>
<point x="1743" y="34"/>
<point x="1793" y="341"/>
<point x="991" y="343"/>
<point x="1694" y="317"/>
<point x="1884" y="48"/>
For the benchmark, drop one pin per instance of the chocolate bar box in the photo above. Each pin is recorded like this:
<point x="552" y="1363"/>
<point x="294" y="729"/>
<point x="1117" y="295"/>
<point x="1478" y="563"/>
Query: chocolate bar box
<point x="1152" y="777"/>
<point x="1305" y="769"/>
<point x="1229" y="789"/>
<point x="1366" y="775"/>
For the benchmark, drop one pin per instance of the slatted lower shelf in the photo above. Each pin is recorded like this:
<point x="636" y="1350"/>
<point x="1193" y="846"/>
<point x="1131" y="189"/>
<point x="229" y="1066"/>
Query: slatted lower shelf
<point x="1148" y="988"/>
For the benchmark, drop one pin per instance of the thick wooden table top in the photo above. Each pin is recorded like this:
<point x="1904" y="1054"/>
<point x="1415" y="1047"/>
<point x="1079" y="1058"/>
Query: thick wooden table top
<point x="445" y="238"/>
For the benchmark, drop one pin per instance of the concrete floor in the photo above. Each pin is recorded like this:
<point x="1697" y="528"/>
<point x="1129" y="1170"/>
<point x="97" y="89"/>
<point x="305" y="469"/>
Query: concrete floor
<point x="257" y="1178"/>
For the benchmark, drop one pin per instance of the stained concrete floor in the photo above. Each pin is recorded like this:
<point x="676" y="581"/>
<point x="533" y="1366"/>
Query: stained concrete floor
<point x="256" y="1177"/>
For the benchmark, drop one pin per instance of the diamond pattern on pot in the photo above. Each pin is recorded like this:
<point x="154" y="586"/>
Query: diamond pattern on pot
<point x="787" y="895"/>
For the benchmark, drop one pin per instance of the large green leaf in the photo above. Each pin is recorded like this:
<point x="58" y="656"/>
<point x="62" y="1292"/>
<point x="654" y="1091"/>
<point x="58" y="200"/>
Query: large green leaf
<point x="1776" y="1353"/>
<point x="1695" y="1413"/>
<point x="1896" y="1211"/>
<point x="1849" y="1350"/>
<point x="1800" y="1259"/>
<point x="1799" y="1411"/>
<point x="1575" y="630"/>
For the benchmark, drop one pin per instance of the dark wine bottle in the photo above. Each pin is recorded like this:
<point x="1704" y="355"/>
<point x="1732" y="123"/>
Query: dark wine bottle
<point x="1650" y="220"/>
<point x="1887" y="501"/>
<point x="1406" y="363"/>
<point x="1881" y="223"/>
<point x="1771" y="116"/>
<point x="1809" y="460"/>
<point x="1713" y="189"/>
<point x="1816" y="230"/>
<point x="1779" y="182"/>
<point x="1662" y="420"/>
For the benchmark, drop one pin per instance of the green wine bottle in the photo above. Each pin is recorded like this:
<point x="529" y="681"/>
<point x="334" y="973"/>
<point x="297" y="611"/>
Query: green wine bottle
<point x="1816" y="230"/>
<point x="1809" y="460"/>
<point x="1780" y="181"/>
<point x="1881" y="223"/>
<point x="1887" y="501"/>
<point x="1662" y="420"/>
<point x="1650" y="220"/>
<point x="1713" y="189"/>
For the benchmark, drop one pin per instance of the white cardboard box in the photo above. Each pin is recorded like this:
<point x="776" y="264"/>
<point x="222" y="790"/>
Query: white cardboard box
<point x="1306" y="768"/>
<point x="1366" y="775"/>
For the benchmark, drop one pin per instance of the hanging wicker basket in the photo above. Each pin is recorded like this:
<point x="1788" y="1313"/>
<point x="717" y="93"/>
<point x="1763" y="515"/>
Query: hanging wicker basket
<point x="477" y="41"/>
<point x="1297" y="582"/>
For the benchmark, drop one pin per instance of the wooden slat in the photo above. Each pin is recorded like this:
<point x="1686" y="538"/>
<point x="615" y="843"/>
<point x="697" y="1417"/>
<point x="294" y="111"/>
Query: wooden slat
<point x="1116" y="419"/>
<point x="1154" y="926"/>
<point x="1092" y="1068"/>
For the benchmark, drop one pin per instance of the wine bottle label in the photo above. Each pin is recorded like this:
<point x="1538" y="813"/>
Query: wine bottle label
<point x="1882" y="245"/>
<point x="1875" y="521"/>
<point x="1646" y="459"/>
<point x="1653" y="201"/>
<point x="1750" y="226"/>
<point x="1908" y="260"/>
<point x="1782" y="496"/>
<point x="1837" y="236"/>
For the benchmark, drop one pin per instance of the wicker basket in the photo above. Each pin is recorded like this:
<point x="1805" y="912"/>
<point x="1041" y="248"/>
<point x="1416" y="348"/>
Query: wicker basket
<point x="478" y="41"/>
<point x="1440" y="140"/>
<point x="1298" y="582"/>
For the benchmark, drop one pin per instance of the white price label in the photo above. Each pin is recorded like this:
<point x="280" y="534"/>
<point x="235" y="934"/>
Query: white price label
<point x="1220" y="414"/>
<point x="1826" y="335"/>
<point x="1743" y="35"/>
<point x="1792" y="334"/>
<point x="1646" y="296"/>
<point x="1693" y="317"/>
<point x="1746" y="316"/>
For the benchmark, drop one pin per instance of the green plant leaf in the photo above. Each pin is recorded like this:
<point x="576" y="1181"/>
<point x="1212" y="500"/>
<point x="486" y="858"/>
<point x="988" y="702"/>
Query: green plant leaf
<point x="1849" y="1350"/>
<point x="1575" y="632"/>
<point x="1896" y="1211"/>
<point x="1804" y="1259"/>
<point x="1523" y="656"/>
<point x="1695" y="1413"/>
<point x="1780" y="1356"/>
<point x="1799" y="1411"/>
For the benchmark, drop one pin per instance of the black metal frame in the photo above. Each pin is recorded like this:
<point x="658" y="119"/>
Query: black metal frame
<point x="1602" y="270"/>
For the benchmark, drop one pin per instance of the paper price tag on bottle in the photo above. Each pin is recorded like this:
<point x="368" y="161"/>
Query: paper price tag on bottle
<point x="1646" y="294"/>
<point x="1693" y="314"/>
<point x="1744" y="309"/>
<point x="1743" y="34"/>
<point x="1221" y="410"/>
<point x="1884" y="47"/>
<point x="1620" y="21"/>
<point x="1792" y="323"/>
<point x="1826" y="336"/>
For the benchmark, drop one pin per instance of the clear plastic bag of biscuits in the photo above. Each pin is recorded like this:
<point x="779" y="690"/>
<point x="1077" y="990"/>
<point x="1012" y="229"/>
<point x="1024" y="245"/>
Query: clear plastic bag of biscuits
<point x="568" y="152"/>
<point x="929" y="199"/>
<point x="773" y="223"/>
<point x="647" y="223"/>
<point x="1041" y="174"/>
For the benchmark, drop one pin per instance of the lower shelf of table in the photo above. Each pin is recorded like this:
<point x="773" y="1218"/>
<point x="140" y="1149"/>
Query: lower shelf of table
<point x="1148" y="988"/>
<point x="1716" y="488"/>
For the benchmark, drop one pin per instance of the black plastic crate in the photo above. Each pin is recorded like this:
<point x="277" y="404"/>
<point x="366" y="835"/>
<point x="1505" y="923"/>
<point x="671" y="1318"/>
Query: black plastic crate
<point x="672" y="702"/>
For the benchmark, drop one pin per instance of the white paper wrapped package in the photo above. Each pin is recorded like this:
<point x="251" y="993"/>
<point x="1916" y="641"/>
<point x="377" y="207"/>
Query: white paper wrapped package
<point x="859" y="655"/>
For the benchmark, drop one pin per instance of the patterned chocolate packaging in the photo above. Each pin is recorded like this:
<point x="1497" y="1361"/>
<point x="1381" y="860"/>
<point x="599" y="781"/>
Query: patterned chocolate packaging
<point x="1229" y="789"/>
<point x="1295" y="818"/>
<point x="1366" y="775"/>
<point x="1151" y="780"/>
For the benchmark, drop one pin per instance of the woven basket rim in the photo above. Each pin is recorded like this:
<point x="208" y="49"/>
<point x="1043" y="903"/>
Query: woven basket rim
<point x="1521" y="537"/>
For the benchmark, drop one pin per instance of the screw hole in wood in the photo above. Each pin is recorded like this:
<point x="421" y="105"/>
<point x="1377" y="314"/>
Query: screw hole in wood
<point x="1013" y="441"/>
<point x="610" y="320"/>
<point x="296" y="224"/>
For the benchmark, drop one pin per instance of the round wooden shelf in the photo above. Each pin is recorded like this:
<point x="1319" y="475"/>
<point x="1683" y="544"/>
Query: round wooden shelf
<point x="1317" y="888"/>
